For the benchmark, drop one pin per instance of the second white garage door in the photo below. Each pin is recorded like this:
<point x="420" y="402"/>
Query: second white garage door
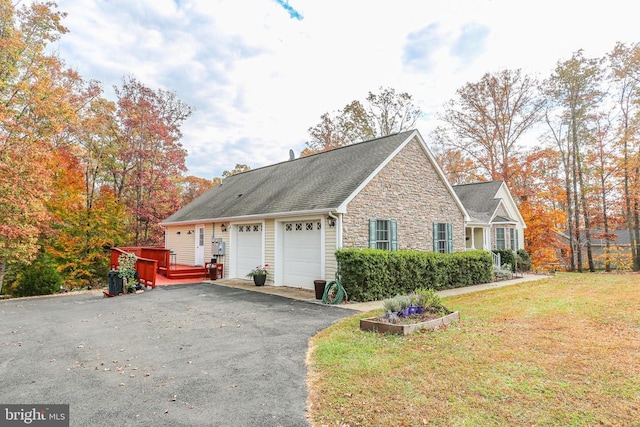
<point x="248" y="248"/>
<point x="302" y="259"/>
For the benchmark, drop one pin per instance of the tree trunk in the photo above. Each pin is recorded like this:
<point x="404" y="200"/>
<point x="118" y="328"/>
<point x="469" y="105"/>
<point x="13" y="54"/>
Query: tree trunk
<point x="3" y="269"/>
<point x="605" y="220"/>
<point x="576" y="204"/>
<point x="636" y="235"/>
<point x="567" y="190"/>
<point x="585" y="213"/>
<point x="572" y="243"/>
<point x="627" y="199"/>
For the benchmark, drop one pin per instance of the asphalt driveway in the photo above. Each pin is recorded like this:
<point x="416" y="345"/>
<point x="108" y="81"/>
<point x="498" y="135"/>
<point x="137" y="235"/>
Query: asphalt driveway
<point x="192" y="355"/>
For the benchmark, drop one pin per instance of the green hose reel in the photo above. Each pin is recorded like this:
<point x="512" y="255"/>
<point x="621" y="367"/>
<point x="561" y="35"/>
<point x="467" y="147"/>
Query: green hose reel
<point x="334" y="293"/>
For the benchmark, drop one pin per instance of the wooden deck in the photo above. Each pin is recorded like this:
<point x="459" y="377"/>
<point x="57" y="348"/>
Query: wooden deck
<point x="154" y="266"/>
<point x="181" y="272"/>
<point x="165" y="281"/>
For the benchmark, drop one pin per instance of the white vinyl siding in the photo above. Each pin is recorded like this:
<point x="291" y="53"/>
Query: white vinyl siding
<point x="331" y="244"/>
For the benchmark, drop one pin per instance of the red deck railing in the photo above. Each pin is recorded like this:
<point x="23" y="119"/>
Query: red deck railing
<point x="156" y="259"/>
<point x="150" y="259"/>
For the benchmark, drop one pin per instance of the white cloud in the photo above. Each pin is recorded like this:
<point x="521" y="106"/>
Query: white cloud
<point x="259" y="77"/>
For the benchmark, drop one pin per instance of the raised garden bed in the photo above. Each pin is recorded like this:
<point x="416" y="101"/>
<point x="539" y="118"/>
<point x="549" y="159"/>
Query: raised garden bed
<point x="408" y="325"/>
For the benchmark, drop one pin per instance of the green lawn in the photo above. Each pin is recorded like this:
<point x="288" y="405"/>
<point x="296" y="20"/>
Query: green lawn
<point x="558" y="352"/>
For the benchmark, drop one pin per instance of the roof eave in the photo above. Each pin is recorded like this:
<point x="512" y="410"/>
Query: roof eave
<point x="288" y="214"/>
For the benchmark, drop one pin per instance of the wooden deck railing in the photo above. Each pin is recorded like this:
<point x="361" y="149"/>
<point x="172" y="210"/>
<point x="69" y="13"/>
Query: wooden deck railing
<point x="147" y="264"/>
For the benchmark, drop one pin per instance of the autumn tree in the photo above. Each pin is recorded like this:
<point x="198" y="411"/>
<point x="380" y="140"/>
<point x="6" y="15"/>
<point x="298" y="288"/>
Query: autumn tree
<point x="149" y="157"/>
<point x="487" y="119"/>
<point x="191" y="187"/>
<point x="85" y="216"/>
<point x="574" y="95"/>
<point x="537" y="185"/>
<point x="458" y="168"/>
<point x="625" y="66"/>
<point x="32" y="109"/>
<point x="239" y="168"/>
<point x="381" y="114"/>
<point x="603" y="158"/>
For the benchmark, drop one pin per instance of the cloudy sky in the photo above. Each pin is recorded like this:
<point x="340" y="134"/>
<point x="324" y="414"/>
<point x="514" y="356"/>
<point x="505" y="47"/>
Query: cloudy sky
<point x="259" y="73"/>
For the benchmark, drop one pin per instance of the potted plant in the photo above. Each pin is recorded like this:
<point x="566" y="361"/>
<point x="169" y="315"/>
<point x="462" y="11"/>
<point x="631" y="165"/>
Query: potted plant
<point x="259" y="274"/>
<point x="127" y="269"/>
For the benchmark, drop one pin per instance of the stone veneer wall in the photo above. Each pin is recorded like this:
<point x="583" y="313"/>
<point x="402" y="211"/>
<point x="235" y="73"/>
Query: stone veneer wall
<point x="408" y="190"/>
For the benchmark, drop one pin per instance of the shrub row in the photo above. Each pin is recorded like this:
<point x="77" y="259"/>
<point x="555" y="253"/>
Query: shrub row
<point x="507" y="256"/>
<point x="373" y="274"/>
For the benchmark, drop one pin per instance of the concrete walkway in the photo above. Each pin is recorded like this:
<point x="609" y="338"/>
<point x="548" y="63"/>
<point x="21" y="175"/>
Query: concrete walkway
<point x="374" y="305"/>
<point x="309" y="296"/>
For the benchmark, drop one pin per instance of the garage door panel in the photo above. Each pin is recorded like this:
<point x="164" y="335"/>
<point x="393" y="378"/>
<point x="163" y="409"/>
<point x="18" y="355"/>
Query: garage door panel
<point x="248" y="248"/>
<point x="302" y="253"/>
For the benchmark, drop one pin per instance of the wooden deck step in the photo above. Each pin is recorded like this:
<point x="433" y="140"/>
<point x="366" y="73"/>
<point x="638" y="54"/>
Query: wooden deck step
<point x="187" y="273"/>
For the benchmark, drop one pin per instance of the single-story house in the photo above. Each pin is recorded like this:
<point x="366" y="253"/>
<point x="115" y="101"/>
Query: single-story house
<point x="386" y="193"/>
<point x="495" y="221"/>
<point x="619" y="252"/>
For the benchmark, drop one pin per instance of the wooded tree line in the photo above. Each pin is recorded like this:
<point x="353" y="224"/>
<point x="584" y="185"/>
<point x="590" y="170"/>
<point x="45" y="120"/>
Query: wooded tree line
<point x="568" y="147"/>
<point x="79" y="173"/>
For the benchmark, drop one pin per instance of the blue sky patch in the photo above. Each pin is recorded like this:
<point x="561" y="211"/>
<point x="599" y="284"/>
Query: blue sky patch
<point x="294" y="14"/>
<point x="471" y="42"/>
<point x="420" y="46"/>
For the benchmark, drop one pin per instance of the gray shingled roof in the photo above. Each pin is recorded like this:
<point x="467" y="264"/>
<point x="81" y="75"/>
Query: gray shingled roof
<point x="321" y="181"/>
<point x="479" y="199"/>
<point x="617" y="237"/>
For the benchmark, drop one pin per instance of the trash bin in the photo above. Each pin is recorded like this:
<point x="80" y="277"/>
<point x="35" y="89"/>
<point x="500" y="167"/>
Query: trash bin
<point x="115" y="282"/>
<point x="319" y="285"/>
<point x="215" y="271"/>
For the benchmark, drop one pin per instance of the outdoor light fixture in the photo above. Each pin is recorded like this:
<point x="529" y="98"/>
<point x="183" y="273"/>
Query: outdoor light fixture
<point x="189" y="232"/>
<point x="223" y="228"/>
<point x="331" y="221"/>
<point x="178" y="232"/>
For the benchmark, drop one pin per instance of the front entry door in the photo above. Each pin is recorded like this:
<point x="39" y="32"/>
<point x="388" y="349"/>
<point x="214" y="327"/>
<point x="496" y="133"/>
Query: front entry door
<point x="199" y="258"/>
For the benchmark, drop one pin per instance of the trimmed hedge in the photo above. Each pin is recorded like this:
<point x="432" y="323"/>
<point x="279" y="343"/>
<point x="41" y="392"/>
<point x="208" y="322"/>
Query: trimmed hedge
<point x="374" y="274"/>
<point x="507" y="256"/>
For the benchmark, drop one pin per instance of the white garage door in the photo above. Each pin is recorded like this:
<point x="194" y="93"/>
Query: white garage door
<point x="301" y="253"/>
<point x="248" y="248"/>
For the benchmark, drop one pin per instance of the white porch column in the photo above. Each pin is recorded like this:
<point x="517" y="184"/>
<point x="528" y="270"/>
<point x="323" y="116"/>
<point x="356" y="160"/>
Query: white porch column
<point x="486" y="237"/>
<point x="473" y="237"/>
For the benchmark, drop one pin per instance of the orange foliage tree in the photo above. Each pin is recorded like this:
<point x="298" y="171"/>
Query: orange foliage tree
<point x="193" y="187"/>
<point x="146" y="167"/>
<point x="536" y="183"/>
<point x="32" y="110"/>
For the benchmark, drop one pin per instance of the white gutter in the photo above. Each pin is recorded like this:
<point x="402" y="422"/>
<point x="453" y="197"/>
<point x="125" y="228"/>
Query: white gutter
<point x="250" y="217"/>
